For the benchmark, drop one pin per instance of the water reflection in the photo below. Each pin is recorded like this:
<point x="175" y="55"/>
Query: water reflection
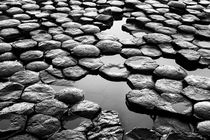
<point x="111" y="95"/>
<point x="117" y="31"/>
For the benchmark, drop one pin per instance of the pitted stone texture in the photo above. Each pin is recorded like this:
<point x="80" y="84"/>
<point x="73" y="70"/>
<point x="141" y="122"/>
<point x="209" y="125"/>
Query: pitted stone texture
<point x="86" y="109"/>
<point x="172" y="72"/>
<point x="141" y="63"/>
<point x="8" y="68"/>
<point x="10" y="91"/>
<point x="198" y="81"/>
<point x="70" y="95"/>
<point x="168" y="85"/>
<point x="42" y="125"/>
<point x="37" y="93"/>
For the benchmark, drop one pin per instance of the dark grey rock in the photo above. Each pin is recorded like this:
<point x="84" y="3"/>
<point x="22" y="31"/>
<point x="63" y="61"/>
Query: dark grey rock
<point x="37" y="93"/>
<point x="196" y="94"/>
<point x="182" y="44"/>
<point x="70" y="95"/>
<point x="31" y="55"/>
<point x="23" y="137"/>
<point x="70" y="44"/>
<point x="91" y="63"/>
<point x="106" y="126"/>
<point x="9" y="33"/>
<point x="49" y="45"/>
<point x="202" y="110"/>
<point x="109" y="47"/>
<point x="198" y="81"/>
<point x="8" y="56"/>
<point x="37" y="66"/>
<point x="64" y="61"/>
<point x="189" y="54"/>
<point x="85" y="51"/>
<point x="9" y="23"/>
<point x="86" y="39"/>
<point x="68" y="135"/>
<point x="24" y="44"/>
<point x="157" y="38"/>
<point x="51" y="54"/>
<point x="5" y="47"/>
<point x="114" y="71"/>
<point x="172" y="72"/>
<point x="130" y="52"/>
<point x="14" y="124"/>
<point x="169" y="86"/>
<point x="151" y="51"/>
<point x="19" y="108"/>
<point x="51" y="107"/>
<point x="8" y="68"/>
<point x="42" y="125"/>
<point x="27" y="27"/>
<point x="164" y="125"/>
<point x="90" y="29"/>
<point x="142" y="133"/>
<point x="75" y="72"/>
<point x="141" y="63"/>
<point x="86" y="109"/>
<point x="167" y="49"/>
<point x="10" y="91"/>
<point x="140" y="81"/>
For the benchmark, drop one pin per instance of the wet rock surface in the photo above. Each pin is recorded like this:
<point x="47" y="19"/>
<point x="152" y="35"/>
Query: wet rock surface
<point x="49" y="43"/>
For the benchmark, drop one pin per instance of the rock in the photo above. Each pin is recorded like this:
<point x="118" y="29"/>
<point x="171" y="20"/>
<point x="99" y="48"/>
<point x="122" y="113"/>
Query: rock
<point x="177" y="4"/>
<point x="11" y="124"/>
<point x="164" y="125"/>
<point x="183" y="36"/>
<point x="28" y="26"/>
<point x="10" y="91"/>
<point x="151" y="51"/>
<point x="85" y="51"/>
<point x="172" y="72"/>
<point x="75" y="72"/>
<point x="202" y="110"/>
<point x="182" y="44"/>
<point x="4" y="104"/>
<point x="23" y="137"/>
<point x="140" y="81"/>
<point x="9" y="23"/>
<point x="90" y="29"/>
<point x="37" y="66"/>
<point x="64" y="61"/>
<point x="146" y="99"/>
<point x="25" y="77"/>
<point x="157" y="38"/>
<point x="68" y="135"/>
<point x="70" y="44"/>
<point x="109" y="47"/>
<point x="105" y="36"/>
<point x="86" y="109"/>
<point x="91" y="63"/>
<point x="9" y="33"/>
<point x="5" y="47"/>
<point x="32" y="55"/>
<point x="204" y="128"/>
<point x="202" y="43"/>
<point x="114" y="71"/>
<point x="51" y="54"/>
<point x="37" y="93"/>
<point x="141" y="63"/>
<point x="41" y="37"/>
<point x="184" y="136"/>
<point x="8" y="68"/>
<point x="24" y="44"/>
<point x="74" y="31"/>
<point x="49" y="45"/>
<point x="168" y="85"/>
<point x="196" y="94"/>
<point x="42" y="125"/>
<point x="130" y="52"/>
<point x="189" y="54"/>
<point x="106" y="126"/>
<point x="178" y="103"/>
<point x="142" y="133"/>
<point x="167" y="49"/>
<point x="51" y="107"/>
<point x="86" y="39"/>
<point x="198" y="81"/>
<point x="8" y="56"/>
<point x="70" y="95"/>
<point x="22" y="108"/>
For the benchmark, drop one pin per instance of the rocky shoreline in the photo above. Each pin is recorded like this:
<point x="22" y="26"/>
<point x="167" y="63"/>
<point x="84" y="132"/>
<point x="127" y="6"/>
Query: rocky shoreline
<point x="58" y="42"/>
